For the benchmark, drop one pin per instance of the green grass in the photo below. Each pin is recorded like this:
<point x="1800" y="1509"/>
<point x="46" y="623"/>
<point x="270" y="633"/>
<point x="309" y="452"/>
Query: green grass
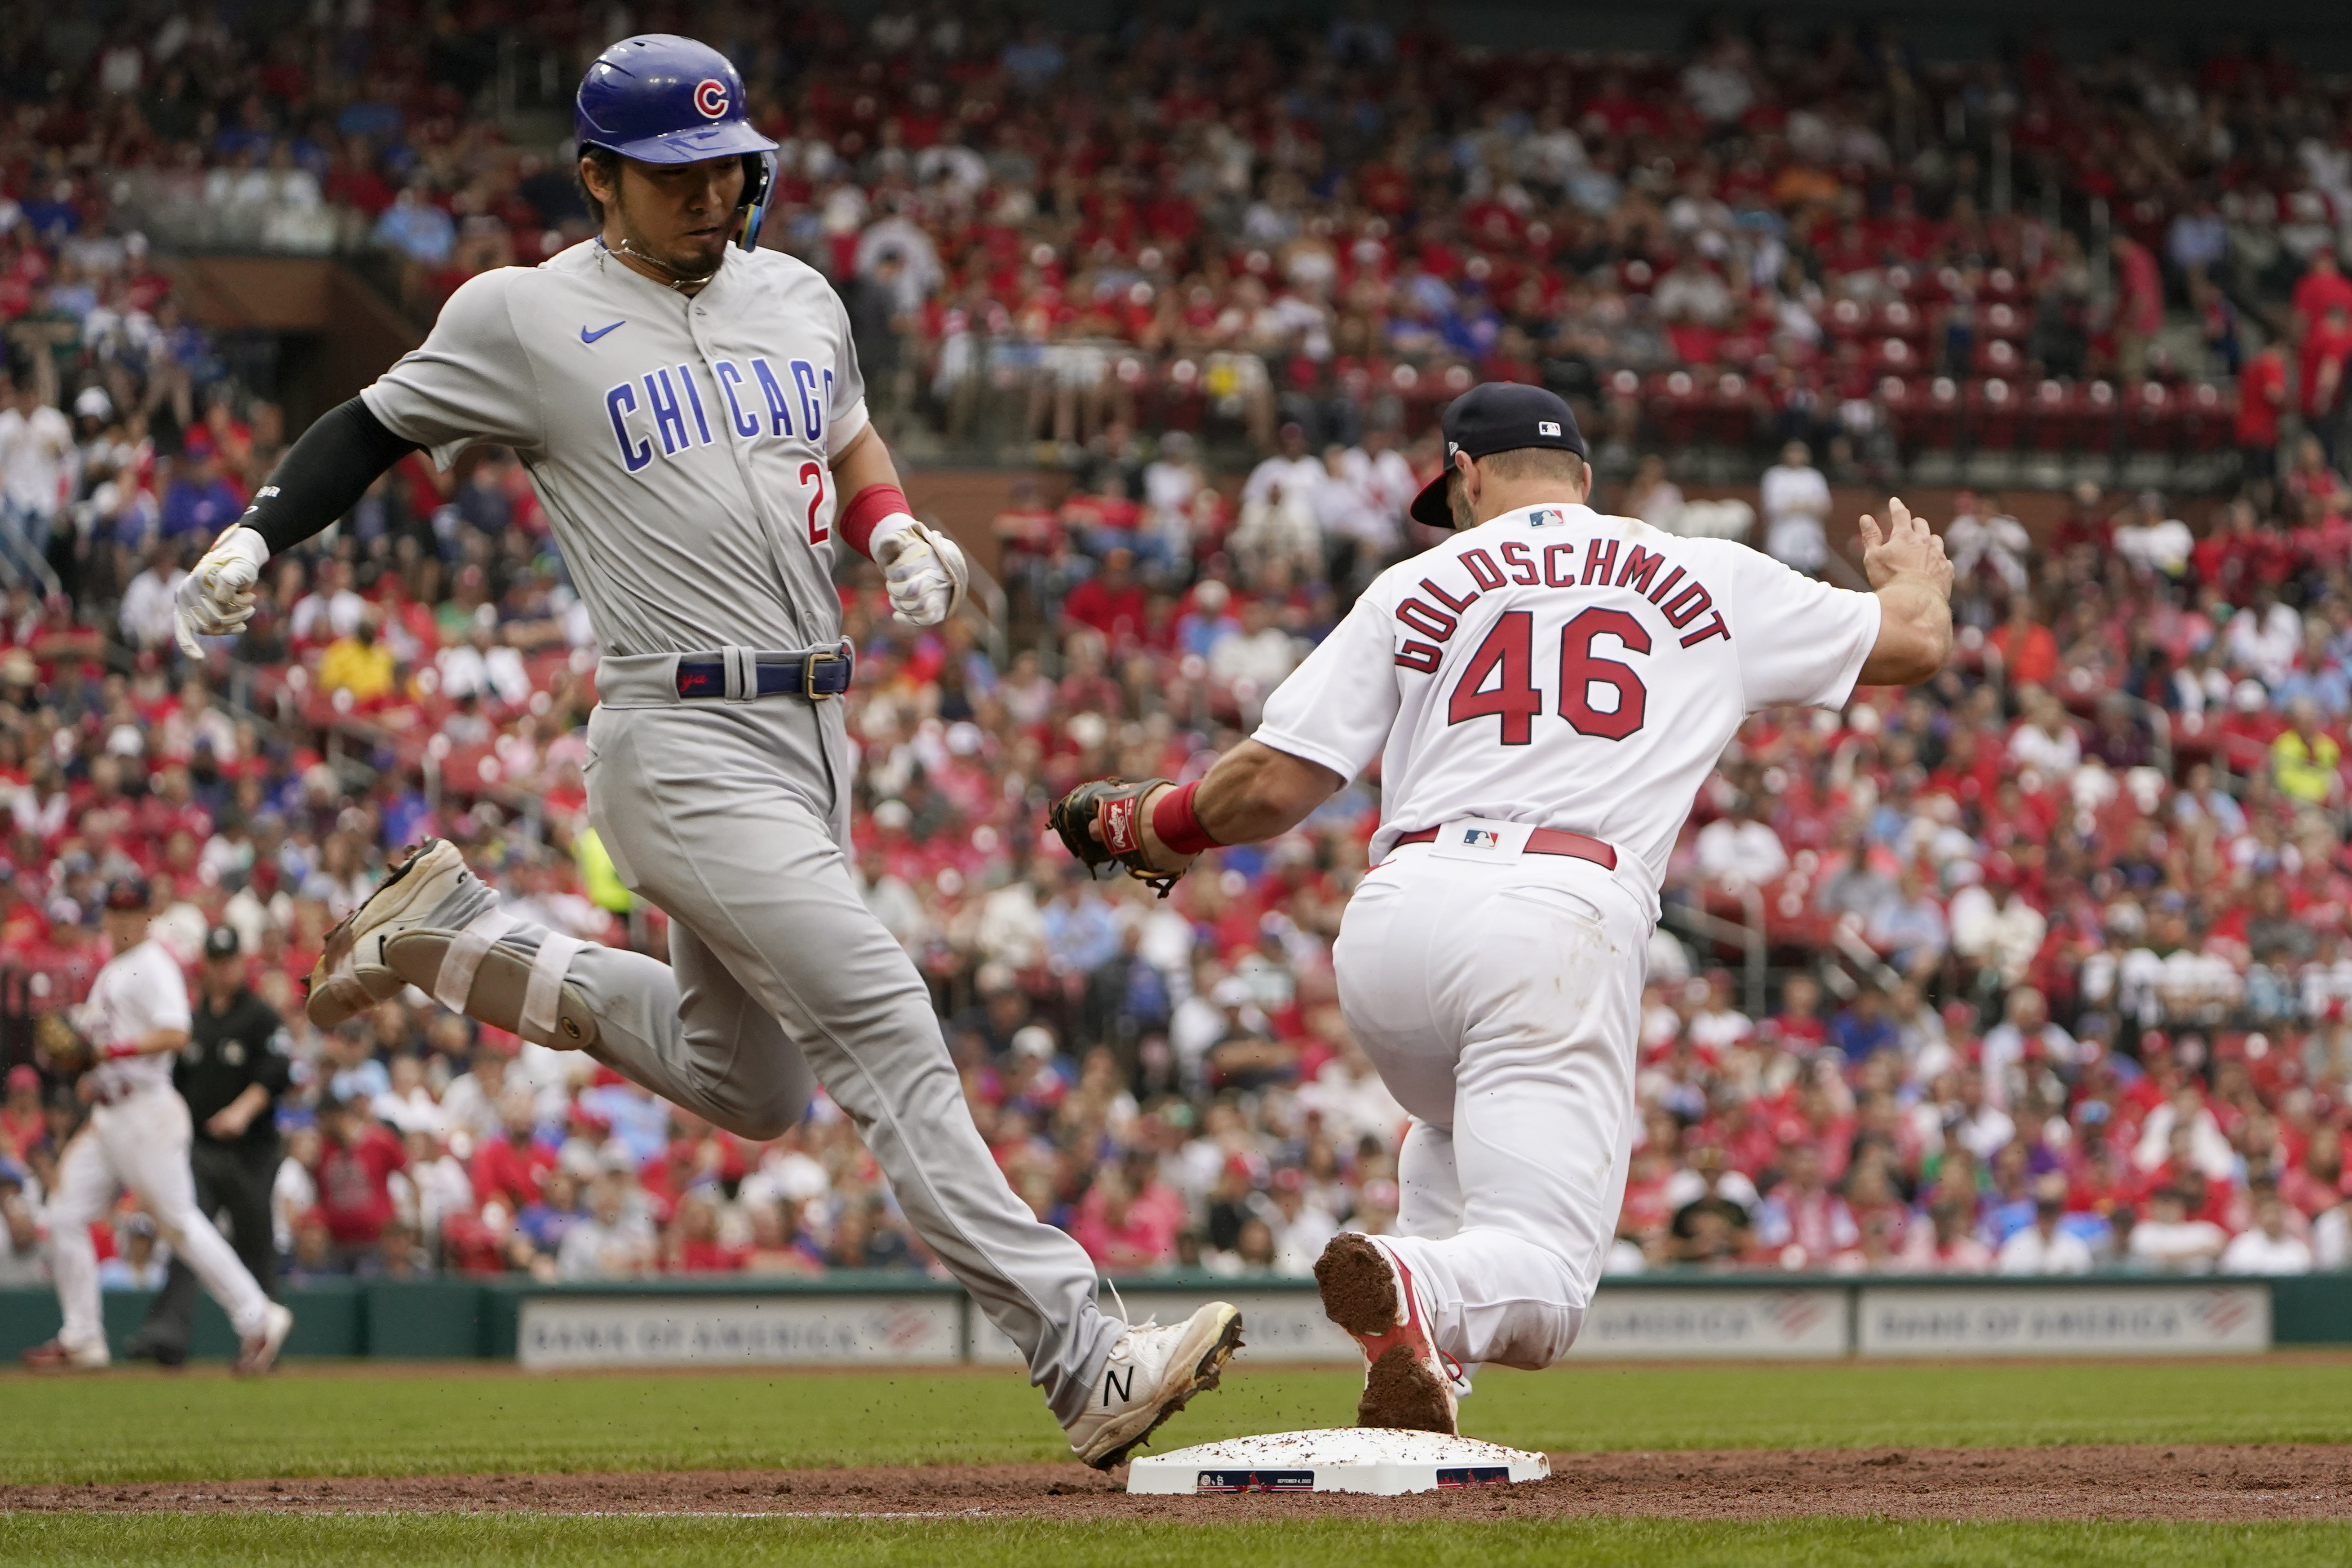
<point x="355" y="1420"/>
<point x="506" y="1539"/>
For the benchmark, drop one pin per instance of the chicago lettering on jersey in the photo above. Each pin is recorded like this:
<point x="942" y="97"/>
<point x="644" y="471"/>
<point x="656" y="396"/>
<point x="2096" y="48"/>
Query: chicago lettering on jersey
<point x="1434" y="615"/>
<point x="663" y="412"/>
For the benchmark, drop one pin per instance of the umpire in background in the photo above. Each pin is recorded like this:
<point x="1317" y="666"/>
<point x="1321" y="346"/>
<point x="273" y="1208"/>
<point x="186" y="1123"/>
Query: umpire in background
<point x="231" y="1073"/>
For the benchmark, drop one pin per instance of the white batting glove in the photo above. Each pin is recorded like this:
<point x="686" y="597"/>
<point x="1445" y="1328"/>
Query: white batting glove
<point x="216" y="599"/>
<point x="924" y="568"/>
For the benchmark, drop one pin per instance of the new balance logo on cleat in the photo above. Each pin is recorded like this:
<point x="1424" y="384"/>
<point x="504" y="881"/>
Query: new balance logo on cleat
<point x="1123" y="1385"/>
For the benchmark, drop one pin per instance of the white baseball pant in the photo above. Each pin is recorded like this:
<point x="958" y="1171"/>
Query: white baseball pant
<point x="1501" y="1002"/>
<point x="140" y="1143"/>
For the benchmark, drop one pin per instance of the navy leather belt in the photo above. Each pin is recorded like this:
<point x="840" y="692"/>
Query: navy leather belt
<point x="813" y="676"/>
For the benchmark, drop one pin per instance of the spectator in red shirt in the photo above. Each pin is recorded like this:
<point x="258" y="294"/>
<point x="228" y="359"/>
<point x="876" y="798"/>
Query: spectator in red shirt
<point x="2322" y="359"/>
<point x="22" y="1124"/>
<point x="2262" y="399"/>
<point x="509" y="1168"/>
<point x="695" y="1246"/>
<point x="355" y="1177"/>
<point x="1111" y="602"/>
<point x="2322" y="288"/>
<point x="1129" y="1219"/>
<point x="2029" y="653"/>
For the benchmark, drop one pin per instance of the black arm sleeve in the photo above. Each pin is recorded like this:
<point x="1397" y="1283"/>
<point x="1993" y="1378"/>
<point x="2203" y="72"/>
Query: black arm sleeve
<point x="323" y="475"/>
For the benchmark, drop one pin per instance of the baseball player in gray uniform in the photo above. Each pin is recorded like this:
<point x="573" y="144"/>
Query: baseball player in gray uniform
<point x="691" y="412"/>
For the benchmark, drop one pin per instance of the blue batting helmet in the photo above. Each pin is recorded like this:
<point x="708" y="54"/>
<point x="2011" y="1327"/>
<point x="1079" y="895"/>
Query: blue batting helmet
<point x="661" y="99"/>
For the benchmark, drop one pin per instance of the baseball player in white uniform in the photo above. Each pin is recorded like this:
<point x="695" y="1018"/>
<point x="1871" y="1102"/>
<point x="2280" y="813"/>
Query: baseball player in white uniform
<point x="137" y="1136"/>
<point x="691" y="411"/>
<point x="1545" y="693"/>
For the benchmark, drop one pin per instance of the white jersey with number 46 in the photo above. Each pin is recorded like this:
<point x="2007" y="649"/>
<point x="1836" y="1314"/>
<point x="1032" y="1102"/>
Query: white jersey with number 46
<point x="1562" y="668"/>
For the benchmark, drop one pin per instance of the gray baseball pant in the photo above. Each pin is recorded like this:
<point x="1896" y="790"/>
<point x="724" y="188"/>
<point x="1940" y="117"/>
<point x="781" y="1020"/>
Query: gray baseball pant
<point x="733" y="817"/>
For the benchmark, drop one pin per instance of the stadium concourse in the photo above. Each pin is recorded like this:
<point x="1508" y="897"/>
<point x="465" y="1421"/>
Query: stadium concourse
<point x="2042" y="968"/>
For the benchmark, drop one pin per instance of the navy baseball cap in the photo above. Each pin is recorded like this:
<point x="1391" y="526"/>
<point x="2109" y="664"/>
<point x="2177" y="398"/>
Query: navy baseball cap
<point x="221" y="942"/>
<point x="1498" y="416"/>
<point x="127" y="893"/>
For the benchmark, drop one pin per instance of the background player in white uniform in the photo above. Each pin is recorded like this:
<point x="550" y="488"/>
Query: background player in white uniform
<point x="692" y="415"/>
<point x="1545" y="693"/>
<point x="137" y="1136"/>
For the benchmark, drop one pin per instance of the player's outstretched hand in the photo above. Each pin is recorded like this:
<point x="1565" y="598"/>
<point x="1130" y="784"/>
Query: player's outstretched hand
<point x="923" y="568"/>
<point x="217" y="598"/>
<point x="1904" y="547"/>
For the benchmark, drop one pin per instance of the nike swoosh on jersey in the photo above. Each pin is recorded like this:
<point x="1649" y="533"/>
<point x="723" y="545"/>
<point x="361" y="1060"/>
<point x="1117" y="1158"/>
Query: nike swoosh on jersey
<point x="588" y="337"/>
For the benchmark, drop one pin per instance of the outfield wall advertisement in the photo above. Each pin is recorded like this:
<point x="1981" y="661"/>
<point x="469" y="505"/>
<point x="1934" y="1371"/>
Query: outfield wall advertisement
<point x="1649" y="1319"/>
<point x="1628" y="1322"/>
<point x="654" y="1330"/>
<point x="2064" y="1321"/>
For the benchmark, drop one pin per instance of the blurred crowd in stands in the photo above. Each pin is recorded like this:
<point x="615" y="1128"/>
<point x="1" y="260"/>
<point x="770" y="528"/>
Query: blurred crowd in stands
<point x="1223" y="229"/>
<point x="2043" y="967"/>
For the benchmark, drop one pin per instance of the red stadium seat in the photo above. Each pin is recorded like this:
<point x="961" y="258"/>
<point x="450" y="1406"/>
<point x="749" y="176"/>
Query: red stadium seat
<point x="1999" y="356"/>
<point x="1675" y="400"/>
<point x="2151" y="423"/>
<point x="2094" y="418"/>
<point x="1895" y="356"/>
<point x="1900" y="319"/>
<point x="1995" y="413"/>
<point x="2209" y="415"/>
<point x="2051" y="415"/>
<point x="2003" y="320"/>
<point x="1732" y="407"/>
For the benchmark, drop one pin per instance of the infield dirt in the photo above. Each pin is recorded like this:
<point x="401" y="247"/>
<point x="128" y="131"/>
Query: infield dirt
<point x="2228" y="1483"/>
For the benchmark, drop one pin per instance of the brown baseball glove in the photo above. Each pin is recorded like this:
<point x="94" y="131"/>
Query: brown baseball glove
<point x="63" y="1050"/>
<point x="1101" y="821"/>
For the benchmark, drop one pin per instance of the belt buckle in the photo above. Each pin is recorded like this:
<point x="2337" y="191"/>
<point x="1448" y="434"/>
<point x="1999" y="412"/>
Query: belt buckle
<point x="810" y="663"/>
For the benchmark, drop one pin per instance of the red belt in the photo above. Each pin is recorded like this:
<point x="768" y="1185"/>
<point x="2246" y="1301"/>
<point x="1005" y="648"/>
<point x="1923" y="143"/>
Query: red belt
<point x="1544" y="841"/>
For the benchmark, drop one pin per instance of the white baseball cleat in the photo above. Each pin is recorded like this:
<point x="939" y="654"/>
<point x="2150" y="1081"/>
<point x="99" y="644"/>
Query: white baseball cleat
<point x="56" y="1356"/>
<point x="388" y="944"/>
<point x="1369" y="1291"/>
<point x="1151" y="1372"/>
<point x="258" y="1351"/>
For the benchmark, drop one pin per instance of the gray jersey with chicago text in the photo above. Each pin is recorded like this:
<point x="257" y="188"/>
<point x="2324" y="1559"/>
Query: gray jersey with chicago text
<point x="680" y="446"/>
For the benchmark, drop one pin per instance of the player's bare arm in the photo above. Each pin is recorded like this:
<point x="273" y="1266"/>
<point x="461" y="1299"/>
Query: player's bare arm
<point x="1913" y="579"/>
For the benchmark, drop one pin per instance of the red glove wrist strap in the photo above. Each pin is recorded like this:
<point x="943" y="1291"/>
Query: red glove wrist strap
<point x="1177" y="825"/>
<point x="866" y="508"/>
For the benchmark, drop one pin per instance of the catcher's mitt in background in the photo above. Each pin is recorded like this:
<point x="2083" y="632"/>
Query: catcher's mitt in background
<point x="62" y="1049"/>
<point x="1117" y="807"/>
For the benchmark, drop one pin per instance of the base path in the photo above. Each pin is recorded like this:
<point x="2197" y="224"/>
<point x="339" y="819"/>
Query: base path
<point x="2187" y="1481"/>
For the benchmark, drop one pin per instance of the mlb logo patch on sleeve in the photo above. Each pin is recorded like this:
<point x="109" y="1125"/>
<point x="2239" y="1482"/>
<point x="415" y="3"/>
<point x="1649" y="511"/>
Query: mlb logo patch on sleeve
<point x="1546" y="516"/>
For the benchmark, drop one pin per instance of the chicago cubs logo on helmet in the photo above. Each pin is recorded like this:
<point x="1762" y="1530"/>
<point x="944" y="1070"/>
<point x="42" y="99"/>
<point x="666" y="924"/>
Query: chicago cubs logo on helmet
<point x="667" y="100"/>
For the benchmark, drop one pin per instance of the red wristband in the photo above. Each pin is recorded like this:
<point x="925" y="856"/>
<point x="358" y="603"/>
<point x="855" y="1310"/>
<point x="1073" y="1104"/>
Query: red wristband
<point x="117" y="1053"/>
<point x="866" y="508"/>
<point x="1178" y="827"/>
